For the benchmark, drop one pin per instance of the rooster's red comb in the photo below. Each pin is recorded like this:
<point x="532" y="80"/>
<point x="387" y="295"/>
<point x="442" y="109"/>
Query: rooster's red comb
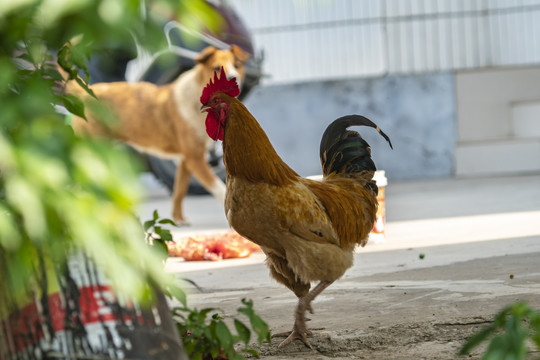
<point x="221" y="84"/>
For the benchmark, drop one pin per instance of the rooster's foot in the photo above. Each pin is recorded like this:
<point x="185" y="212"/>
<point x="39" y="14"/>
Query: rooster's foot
<point x="288" y="333"/>
<point x="296" y="333"/>
<point x="299" y="330"/>
<point x="182" y="223"/>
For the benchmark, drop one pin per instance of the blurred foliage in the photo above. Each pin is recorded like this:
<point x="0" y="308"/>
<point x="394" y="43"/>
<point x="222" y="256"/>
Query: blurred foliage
<point x="205" y="337"/>
<point x="208" y="337"/>
<point x="58" y="191"/>
<point x="509" y="334"/>
<point x="158" y="236"/>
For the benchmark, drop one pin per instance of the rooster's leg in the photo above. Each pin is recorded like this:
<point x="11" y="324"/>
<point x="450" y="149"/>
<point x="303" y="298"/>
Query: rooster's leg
<point x="299" y="330"/>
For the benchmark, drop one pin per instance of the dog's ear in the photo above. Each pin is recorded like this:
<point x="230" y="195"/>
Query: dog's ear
<point x="205" y="54"/>
<point x="240" y="54"/>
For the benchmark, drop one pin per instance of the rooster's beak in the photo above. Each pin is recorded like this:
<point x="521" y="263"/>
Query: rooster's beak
<point x="204" y="107"/>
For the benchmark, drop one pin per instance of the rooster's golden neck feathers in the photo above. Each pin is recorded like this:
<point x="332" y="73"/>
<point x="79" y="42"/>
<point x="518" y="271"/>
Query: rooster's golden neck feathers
<point x="247" y="151"/>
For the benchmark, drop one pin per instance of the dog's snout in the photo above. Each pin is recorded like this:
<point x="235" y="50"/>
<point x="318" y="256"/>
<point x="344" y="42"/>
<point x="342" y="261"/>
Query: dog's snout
<point x="232" y="74"/>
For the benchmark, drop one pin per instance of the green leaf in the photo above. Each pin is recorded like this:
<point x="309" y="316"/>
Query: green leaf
<point x="53" y="74"/>
<point x="243" y="331"/>
<point x="224" y="336"/>
<point x="74" y="105"/>
<point x="509" y="335"/>
<point x="162" y="248"/>
<point x="214" y="353"/>
<point x="156" y="215"/>
<point x="204" y="312"/>
<point x="189" y="281"/>
<point x="536" y="339"/>
<point x="25" y="56"/>
<point x="177" y="293"/>
<point x="179" y="313"/>
<point x="248" y="309"/>
<point x="166" y="235"/>
<point x="261" y="328"/>
<point x="62" y="57"/>
<point x="84" y="85"/>
<point x="167" y="221"/>
<point x="252" y="352"/>
<point x="148" y="224"/>
<point x="248" y="303"/>
<point x="477" y="339"/>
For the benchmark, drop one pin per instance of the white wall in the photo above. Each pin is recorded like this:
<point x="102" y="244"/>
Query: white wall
<point x="329" y="58"/>
<point x="417" y="112"/>
<point x="477" y="123"/>
<point x="312" y="40"/>
<point x="498" y="121"/>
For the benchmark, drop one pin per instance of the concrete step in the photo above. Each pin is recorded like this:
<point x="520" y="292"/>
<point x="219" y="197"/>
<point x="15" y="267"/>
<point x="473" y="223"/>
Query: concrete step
<point x="498" y="157"/>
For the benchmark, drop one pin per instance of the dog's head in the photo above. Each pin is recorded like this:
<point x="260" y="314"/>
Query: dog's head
<point x="233" y="61"/>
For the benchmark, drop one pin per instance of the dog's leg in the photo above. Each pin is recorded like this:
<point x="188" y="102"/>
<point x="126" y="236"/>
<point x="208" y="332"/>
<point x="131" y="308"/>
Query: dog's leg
<point x="202" y="171"/>
<point x="218" y="190"/>
<point x="181" y="183"/>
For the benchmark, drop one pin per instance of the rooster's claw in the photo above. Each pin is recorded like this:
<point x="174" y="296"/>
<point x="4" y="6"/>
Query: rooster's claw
<point x="295" y="334"/>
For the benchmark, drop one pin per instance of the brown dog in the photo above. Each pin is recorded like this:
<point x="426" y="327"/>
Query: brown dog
<point x="166" y="120"/>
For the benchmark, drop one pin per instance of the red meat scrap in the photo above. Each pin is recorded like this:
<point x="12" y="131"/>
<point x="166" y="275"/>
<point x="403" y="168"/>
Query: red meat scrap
<point x="212" y="247"/>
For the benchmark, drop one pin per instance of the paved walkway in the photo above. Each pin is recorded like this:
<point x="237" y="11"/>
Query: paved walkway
<point x="481" y="244"/>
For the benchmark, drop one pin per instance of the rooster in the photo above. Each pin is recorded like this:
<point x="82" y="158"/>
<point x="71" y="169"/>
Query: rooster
<point x="308" y="229"/>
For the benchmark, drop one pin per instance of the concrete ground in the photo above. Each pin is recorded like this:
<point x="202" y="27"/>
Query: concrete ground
<point x="481" y="244"/>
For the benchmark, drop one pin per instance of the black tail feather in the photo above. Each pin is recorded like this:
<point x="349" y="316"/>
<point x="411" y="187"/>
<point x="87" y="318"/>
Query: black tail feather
<point x="345" y="151"/>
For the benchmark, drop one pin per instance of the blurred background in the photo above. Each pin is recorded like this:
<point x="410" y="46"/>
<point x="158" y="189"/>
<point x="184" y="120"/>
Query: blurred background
<point x="455" y="84"/>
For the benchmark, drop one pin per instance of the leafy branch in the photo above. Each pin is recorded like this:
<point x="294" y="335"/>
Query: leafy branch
<point x="509" y="334"/>
<point x="59" y="191"/>
<point x="155" y="234"/>
<point x="204" y="332"/>
<point x="207" y="337"/>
